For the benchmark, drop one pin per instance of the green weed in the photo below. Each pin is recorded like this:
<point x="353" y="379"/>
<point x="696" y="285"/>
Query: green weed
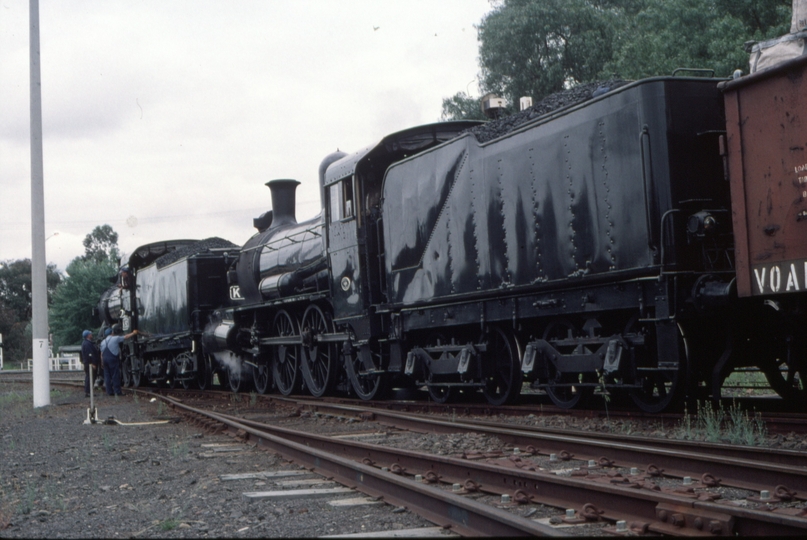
<point x="716" y="424"/>
<point x="169" y="524"/>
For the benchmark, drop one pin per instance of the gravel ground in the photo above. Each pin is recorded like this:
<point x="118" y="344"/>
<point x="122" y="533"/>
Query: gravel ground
<point x="60" y="478"/>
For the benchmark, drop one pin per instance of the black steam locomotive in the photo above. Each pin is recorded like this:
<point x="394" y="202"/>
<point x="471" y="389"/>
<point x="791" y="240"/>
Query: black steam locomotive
<point x="593" y="248"/>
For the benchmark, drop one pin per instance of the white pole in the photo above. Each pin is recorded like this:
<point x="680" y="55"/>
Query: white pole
<point x="39" y="290"/>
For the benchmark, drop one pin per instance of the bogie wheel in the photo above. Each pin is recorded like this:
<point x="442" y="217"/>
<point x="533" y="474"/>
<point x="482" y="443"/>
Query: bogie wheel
<point x="437" y="393"/>
<point x="367" y="383"/>
<point x="171" y="370"/>
<point x="659" y="388"/>
<point x="137" y="374"/>
<point x="501" y="368"/>
<point x="183" y="365"/>
<point x="440" y="394"/>
<point x="285" y="358"/>
<point x="319" y="361"/>
<point x="126" y="372"/>
<point x="562" y="387"/>
<point x="261" y="376"/>
<point x="785" y="367"/>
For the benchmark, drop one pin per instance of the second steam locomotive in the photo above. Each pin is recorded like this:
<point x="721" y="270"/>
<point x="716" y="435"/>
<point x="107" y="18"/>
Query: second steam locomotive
<point x="643" y="242"/>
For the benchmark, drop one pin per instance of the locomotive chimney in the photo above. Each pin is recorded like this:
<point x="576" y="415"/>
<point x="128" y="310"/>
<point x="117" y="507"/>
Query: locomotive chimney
<point x="283" y="201"/>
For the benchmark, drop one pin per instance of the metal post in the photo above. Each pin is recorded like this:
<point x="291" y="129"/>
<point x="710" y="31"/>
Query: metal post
<point x="39" y="291"/>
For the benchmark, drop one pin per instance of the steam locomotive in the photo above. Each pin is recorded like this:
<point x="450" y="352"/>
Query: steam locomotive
<point x="645" y="242"/>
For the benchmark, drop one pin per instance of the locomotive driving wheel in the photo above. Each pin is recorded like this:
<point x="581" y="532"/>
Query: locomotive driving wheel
<point x="319" y="360"/>
<point x="285" y="358"/>
<point x="501" y="368"/>
<point x="564" y="389"/>
<point x="204" y="376"/>
<point x="660" y="386"/>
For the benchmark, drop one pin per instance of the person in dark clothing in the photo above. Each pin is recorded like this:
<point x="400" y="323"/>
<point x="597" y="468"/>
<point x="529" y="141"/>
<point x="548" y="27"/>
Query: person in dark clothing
<point x="112" y="360"/>
<point x="89" y="357"/>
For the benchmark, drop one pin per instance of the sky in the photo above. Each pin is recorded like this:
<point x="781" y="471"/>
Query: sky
<point x="165" y="118"/>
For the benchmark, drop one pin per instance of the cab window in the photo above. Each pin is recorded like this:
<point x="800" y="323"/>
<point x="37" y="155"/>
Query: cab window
<point x="342" y="204"/>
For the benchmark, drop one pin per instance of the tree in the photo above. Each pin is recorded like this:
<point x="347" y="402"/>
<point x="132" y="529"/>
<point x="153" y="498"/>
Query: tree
<point x="101" y="244"/>
<point x="87" y="277"/>
<point x="710" y="34"/>
<point x="15" y="305"/>
<point x="461" y="106"/>
<point x="75" y="298"/>
<point x="537" y="47"/>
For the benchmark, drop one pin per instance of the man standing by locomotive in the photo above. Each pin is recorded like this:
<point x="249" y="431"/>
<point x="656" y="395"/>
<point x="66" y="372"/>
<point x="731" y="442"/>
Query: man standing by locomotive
<point x="112" y="360"/>
<point x="89" y="357"/>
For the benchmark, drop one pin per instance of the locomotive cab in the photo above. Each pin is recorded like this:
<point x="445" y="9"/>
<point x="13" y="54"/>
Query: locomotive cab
<point x="351" y="189"/>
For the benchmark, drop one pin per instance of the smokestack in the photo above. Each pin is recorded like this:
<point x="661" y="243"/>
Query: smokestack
<point x="283" y="201"/>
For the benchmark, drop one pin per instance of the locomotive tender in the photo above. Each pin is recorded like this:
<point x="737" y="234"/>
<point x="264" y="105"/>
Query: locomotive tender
<point x="628" y="243"/>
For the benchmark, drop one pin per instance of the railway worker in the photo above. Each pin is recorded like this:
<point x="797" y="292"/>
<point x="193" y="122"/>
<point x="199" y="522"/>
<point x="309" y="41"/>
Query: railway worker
<point x="99" y="380"/>
<point x="112" y="360"/>
<point x="89" y="357"/>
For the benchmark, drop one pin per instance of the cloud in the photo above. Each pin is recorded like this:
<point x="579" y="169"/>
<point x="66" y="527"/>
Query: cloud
<point x="179" y="112"/>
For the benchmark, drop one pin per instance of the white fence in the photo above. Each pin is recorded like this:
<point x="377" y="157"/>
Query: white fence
<point x="61" y="363"/>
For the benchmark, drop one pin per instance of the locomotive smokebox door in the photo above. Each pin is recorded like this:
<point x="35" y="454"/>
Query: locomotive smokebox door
<point x="344" y="247"/>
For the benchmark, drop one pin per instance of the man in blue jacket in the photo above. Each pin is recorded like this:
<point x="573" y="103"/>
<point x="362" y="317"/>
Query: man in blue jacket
<point x="89" y="357"/>
<point x="112" y="360"/>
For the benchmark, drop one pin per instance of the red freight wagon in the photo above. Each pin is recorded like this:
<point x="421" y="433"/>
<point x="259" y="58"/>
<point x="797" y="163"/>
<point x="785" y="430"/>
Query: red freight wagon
<point x="766" y="146"/>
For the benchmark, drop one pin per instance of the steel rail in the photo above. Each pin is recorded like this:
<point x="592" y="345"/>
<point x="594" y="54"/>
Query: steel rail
<point x="686" y="516"/>
<point x="677" y="460"/>
<point x="462" y="515"/>
<point x="777" y="422"/>
<point x="790" y="458"/>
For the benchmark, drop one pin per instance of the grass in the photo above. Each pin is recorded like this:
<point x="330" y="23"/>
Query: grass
<point x="169" y="524"/>
<point x="716" y="424"/>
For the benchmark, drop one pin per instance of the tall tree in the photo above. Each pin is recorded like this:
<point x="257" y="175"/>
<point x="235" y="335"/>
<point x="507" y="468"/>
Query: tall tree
<point x="101" y="244"/>
<point x="75" y="298"/>
<point x="15" y="305"/>
<point x="664" y="36"/>
<point x="537" y="47"/>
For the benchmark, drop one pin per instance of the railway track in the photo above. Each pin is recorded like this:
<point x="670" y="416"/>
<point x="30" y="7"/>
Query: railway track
<point x="645" y="499"/>
<point x="602" y="478"/>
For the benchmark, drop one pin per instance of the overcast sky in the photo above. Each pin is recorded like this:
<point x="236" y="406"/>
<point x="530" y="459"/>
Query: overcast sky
<point x="165" y="118"/>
